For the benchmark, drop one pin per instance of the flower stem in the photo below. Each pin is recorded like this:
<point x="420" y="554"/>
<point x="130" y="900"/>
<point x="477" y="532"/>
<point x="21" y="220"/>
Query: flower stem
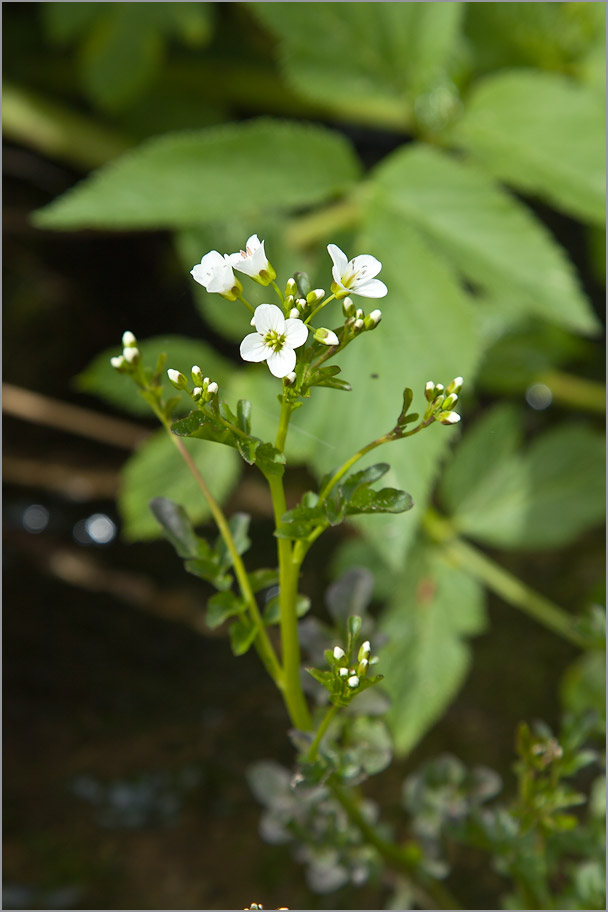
<point x="500" y="581"/>
<point x="278" y="291"/>
<point x="246" y="303"/>
<point x="314" y="747"/>
<point x="431" y="893"/>
<point x="319" y="307"/>
<point x="262" y="643"/>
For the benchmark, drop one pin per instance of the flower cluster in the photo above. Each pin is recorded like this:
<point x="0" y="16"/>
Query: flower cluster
<point x="130" y="353"/>
<point x="280" y="330"/>
<point x="442" y="401"/>
<point x="204" y="389"/>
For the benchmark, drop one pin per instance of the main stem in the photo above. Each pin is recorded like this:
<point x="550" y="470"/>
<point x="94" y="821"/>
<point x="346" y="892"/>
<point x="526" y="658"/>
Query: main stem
<point x="288" y="593"/>
<point x="500" y="581"/>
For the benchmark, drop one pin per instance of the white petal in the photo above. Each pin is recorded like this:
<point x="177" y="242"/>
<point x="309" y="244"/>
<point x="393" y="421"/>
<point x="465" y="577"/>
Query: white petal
<point x="368" y="265"/>
<point x="243" y="264"/>
<point x="373" y="289"/>
<point x="296" y="332"/>
<point x="267" y="317"/>
<point x="282" y="362"/>
<point x="253" y="242"/>
<point x="200" y="275"/>
<point x="340" y="261"/>
<point x="253" y="348"/>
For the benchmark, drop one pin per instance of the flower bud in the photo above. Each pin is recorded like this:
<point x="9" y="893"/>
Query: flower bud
<point x="338" y="653"/>
<point x="290" y="379"/>
<point x="364" y="650"/>
<point x="359" y="314"/>
<point x="131" y="355"/>
<point x="177" y="379"/>
<point x="358" y="324"/>
<point x="128" y="339"/>
<point x="348" y="307"/>
<point x="343" y="672"/>
<point x="363" y="667"/>
<point x="291" y="288"/>
<point x="455" y="386"/>
<point x="289" y="301"/>
<point x="294" y="313"/>
<point x="301" y="304"/>
<point x="353" y="681"/>
<point x="372" y="320"/>
<point x="197" y="375"/>
<point x="197" y="392"/>
<point x="118" y="363"/>
<point x="448" y="417"/>
<point x="429" y="391"/>
<point x="326" y="336"/>
<point x="439" y="388"/>
<point x="313" y="297"/>
<point x="449" y="402"/>
<point x="212" y="390"/>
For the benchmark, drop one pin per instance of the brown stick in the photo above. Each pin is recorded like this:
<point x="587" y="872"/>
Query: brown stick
<point x="34" y="407"/>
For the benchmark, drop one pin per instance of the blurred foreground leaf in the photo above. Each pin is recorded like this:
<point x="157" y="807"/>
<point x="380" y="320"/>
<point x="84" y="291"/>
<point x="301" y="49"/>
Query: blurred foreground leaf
<point x="158" y="469"/>
<point x="202" y="176"/>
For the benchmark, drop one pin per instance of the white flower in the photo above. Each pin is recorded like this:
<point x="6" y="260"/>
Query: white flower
<point x="356" y="276"/>
<point x="252" y="261"/>
<point x="275" y="339"/>
<point x="214" y="272"/>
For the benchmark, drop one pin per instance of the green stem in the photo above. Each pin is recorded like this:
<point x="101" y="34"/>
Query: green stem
<point x="319" y="307"/>
<point x="283" y="424"/>
<point x="246" y="303"/>
<point x="432" y="894"/>
<point x="278" y="291"/>
<point x="500" y="581"/>
<point x="262" y="642"/>
<point x="314" y="747"/>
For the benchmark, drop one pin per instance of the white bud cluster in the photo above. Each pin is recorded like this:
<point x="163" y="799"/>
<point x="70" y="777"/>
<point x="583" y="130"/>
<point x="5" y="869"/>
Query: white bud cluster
<point x="130" y="353"/>
<point x="442" y="400"/>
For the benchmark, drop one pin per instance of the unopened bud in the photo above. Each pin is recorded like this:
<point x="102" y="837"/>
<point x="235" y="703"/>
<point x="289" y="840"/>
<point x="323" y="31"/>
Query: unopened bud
<point x="197" y="392"/>
<point x="448" y="417"/>
<point x="343" y="672"/>
<point x="372" y="320"/>
<point x="359" y="314"/>
<point x="177" y="379"/>
<point x="455" y="386"/>
<point x="326" y="336"/>
<point x="301" y="304"/>
<point x="290" y="379"/>
<point x="313" y="297"/>
<point x="429" y="391"/>
<point x="291" y="288"/>
<point x="363" y="666"/>
<point x="131" y="355"/>
<point x="197" y="375"/>
<point x="353" y="681"/>
<point x="118" y="362"/>
<point x="450" y="401"/>
<point x="294" y="313"/>
<point x="439" y="388"/>
<point x="288" y="302"/>
<point x="212" y="390"/>
<point x="348" y="307"/>
<point x="338" y="653"/>
<point x="128" y="339"/>
<point x="358" y="324"/>
<point x="364" y="650"/>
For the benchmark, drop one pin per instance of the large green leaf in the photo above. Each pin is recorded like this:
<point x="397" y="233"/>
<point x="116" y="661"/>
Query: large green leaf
<point x="542" y="133"/>
<point x="157" y="469"/>
<point x="429" y="331"/>
<point x="489" y="236"/>
<point x="435" y="607"/>
<point x="207" y="175"/>
<point x="102" y="380"/>
<point x="363" y="58"/>
<point x="541" y="498"/>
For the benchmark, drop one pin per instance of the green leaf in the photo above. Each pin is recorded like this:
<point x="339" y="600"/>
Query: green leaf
<point x="435" y="607"/>
<point x="388" y="500"/>
<point x="239" y="527"/>
<point x="193" y="175"/>
<point x="544" y="497"/>
<point x="272" y="609"/>
<point x="371" y="743"/>
<point x="263" y="579"/>
<point x="242" y="636"/>
<point x="384" y="50"/>
<point x="222" y="606"/>
<point x="487" y="234"/>
<point x="207" y="568"/>
<point x="102" y="380"/>
<point x="176" y="526"/>
<point x="269" y="460"/>
<point x="157" y="468"/>
<point x="542" y="133"/>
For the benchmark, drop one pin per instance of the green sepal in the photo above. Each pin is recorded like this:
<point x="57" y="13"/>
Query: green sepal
<point x="272" y="609"/>
<point x="222" y="606"/>
<point x="242" y="634"/>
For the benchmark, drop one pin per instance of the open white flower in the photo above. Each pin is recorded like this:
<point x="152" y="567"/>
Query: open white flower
<point x="252" y="261"/>
<point x="275" y="339"/>
<point x="356" y="276"/>
<point x="214" y="272"/>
